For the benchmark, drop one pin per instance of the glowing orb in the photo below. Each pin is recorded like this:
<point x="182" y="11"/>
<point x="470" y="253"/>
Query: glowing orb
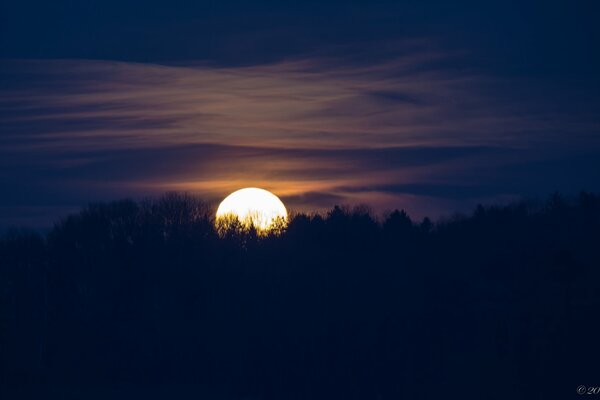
<point x="253" y="207"/>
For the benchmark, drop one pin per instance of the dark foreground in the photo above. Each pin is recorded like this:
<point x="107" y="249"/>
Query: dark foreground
<point x="145" y="300"/>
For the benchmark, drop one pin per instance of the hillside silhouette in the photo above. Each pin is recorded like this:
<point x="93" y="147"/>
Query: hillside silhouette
<point x="500" y="304"/>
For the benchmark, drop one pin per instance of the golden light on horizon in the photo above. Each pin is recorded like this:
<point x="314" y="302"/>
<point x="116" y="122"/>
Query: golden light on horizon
<point x="253" y="207"/>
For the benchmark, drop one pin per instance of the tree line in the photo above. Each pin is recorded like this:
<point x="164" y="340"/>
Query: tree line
<point x="501" y="303"/>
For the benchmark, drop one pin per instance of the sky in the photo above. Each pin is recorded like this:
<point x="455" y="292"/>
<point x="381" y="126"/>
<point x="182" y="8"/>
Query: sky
<point x="428" y="106"/>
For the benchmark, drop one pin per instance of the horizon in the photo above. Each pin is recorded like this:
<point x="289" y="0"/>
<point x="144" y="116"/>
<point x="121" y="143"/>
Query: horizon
<point x="534" y="204"/>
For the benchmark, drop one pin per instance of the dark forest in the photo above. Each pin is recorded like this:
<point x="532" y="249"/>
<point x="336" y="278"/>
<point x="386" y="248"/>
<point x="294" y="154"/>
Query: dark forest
<point x="499" y="304"/>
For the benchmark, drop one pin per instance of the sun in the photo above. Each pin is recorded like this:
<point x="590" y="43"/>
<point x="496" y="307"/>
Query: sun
<point x="253" y="207"/>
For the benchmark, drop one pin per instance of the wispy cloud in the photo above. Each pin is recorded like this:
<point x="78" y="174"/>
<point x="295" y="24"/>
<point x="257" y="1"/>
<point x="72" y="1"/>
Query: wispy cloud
<point x="296" y="103"/>
<point x="313" y="130"/>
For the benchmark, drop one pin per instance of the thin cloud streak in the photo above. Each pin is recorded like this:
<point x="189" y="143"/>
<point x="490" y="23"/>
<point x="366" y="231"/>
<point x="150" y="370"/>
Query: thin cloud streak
<point x="315" y="131"/>
<point x="307" y="103"/>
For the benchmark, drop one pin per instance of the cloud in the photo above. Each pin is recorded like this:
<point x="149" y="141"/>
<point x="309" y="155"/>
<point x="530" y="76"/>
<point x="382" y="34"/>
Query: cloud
<point x="314" y="199"/>
<point x="430" y="189"/>
<point x="306" y="103"/>
<point x="315" y="131"/>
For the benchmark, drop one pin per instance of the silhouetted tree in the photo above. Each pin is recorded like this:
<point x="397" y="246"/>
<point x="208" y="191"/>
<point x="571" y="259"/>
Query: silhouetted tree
<point x="330" y="306"/>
